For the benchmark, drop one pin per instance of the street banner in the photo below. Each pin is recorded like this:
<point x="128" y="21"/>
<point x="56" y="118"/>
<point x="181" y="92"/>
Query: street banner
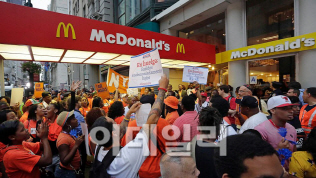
<point x="145" y="70"/>
<point x="38" y="90"/>
<point x="102" y="90"/>
<point x="116" y="80"/>
<point x="191" y="74"/>
<point x="16" y="96"/>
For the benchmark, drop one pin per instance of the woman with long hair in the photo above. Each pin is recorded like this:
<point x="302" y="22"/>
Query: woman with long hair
<point x="36" y="115"/>
<point x="53" y="110"/>
<point x="92" y="116"/>
<point x="116" y="112"/>
<point x="98" y="102"/>
<point x="84" y="106"/>
<point x="303" y="163"/>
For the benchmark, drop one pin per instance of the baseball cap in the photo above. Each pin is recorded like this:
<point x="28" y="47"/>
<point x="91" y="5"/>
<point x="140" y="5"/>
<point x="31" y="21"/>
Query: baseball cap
<point x="203" y="94"/>
<point x="279" y="102"/>
<point x="30" y="102"/>
<point x="63" y="117"/>
<point x="172" y="102"/>
<point x="248" y="101"/>
<point x="45" y="93"/>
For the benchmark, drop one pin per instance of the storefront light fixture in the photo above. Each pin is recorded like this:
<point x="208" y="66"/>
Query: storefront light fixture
<point x="261" y="74"/>
<point x="213" y="68"/>
<point x="209" y="65"/>
<point x="251" y="74"/>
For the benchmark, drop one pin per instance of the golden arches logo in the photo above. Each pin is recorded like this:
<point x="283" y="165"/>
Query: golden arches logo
<point x="180" y="48"/>
<point x="66" y="30"/>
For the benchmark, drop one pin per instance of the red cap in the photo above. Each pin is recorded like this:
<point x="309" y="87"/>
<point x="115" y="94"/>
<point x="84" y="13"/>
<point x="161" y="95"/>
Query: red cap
<point x="203" y="94"/>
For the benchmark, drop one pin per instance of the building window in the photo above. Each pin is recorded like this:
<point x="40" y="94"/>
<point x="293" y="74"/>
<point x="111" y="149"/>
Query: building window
<point x="210" y="31"/>
<point x="122" y="20"/>
<point x="121" y="12"/>
<point x="269" y="20"/>
<point x="131" y="9"/>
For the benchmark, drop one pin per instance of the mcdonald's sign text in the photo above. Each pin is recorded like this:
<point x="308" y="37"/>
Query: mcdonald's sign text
<point x="66" y="30"/>
<point x="180" y="48"/>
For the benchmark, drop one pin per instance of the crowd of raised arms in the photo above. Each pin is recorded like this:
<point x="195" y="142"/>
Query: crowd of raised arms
<point x="194" y="131"/>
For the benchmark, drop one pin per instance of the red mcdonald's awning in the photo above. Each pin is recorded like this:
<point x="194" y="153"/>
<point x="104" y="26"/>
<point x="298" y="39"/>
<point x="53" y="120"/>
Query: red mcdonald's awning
<point x="39" y="35"/>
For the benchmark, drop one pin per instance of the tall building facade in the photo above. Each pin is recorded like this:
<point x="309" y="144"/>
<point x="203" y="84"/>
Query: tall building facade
<point x="254" y="39"/>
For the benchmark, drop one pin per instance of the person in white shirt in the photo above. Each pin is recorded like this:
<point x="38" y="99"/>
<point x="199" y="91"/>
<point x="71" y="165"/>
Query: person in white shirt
<point x="132" y="156"/>
<point x="249" y="107"/>
<point x="202" y="102"/>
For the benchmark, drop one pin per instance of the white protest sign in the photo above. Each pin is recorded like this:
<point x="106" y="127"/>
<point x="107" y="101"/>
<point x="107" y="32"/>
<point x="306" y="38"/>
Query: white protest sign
<point x="142" y="114"/>
<point x="191" y="74"/>
<point x="253" y="79"/>
<point x="16" y="96"/>
<point x="84" y="128"/>
<point x="145" y="70"/>
<point x="132" y="91"/>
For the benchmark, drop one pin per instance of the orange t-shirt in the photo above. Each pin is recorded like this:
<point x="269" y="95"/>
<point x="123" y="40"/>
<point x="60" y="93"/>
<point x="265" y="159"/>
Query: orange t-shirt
<point x="66" y="139"/>
<point x="84" y="111"/>
<point x="30" y="125"/>
<point x="106" y="109"/>
<point x="54" y="131"/>
<point x="171" y="117"/>
<point x="118" y="120"/>
<point x="150" y="167"/>
<point x="20" y="160"/>
<point x="24" y="117"/>
<point x="124" y="104"/>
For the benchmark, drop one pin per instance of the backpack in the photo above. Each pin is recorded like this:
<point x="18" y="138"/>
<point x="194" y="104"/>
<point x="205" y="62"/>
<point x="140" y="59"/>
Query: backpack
<point x="99" y="169"/>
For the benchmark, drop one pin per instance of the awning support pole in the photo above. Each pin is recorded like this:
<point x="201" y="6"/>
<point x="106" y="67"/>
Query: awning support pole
<point x="2" y="77"/>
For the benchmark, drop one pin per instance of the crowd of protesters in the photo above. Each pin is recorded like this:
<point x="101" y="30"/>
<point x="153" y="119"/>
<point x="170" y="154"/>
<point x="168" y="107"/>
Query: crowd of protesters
<point x="265" y="133"/>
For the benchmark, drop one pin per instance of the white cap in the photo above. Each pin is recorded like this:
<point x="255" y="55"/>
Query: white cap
<point x="279" y="102"/>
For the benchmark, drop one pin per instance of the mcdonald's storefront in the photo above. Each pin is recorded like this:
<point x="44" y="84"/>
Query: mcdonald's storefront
<point x="46" y="36"/>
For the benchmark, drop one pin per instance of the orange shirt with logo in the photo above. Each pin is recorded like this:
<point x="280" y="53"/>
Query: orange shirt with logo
<point x="20" y="160"/>
<point x="118" y="120"/>
<point x="66" y="139"/>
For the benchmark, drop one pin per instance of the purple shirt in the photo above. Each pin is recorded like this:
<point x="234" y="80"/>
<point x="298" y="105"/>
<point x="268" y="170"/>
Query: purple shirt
<point x="187" y="124"/>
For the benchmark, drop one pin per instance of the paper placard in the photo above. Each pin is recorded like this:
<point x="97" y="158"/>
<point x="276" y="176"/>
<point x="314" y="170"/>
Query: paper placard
<point x="84" y="128"/>
<point x="142" y="114"/>
<point x="191" y="74"/>
<point x="132" y="91"/>
<point x="16" y="96"/>
<point x="145" y="70"/>
<point x="102" y="90"/>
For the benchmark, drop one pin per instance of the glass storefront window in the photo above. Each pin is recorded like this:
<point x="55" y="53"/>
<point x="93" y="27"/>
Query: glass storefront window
<point x="210" y="31"/>
<point x="269" y="20"/>
<point x="273" y="70"/>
